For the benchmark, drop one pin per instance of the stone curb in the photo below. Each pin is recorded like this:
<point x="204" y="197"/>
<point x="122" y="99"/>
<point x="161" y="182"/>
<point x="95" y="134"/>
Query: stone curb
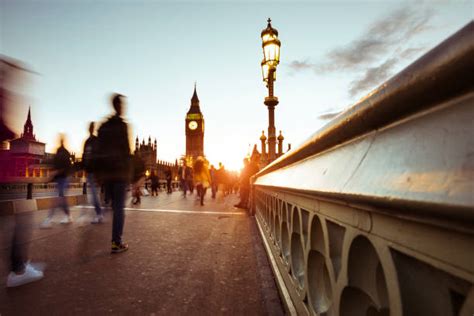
<point x="20" y="206"/>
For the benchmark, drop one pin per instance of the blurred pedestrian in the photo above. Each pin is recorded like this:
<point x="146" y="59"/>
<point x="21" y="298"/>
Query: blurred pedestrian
<point x="115" y="169"/>
<point x="169" y="178"/>
<point x="21" y="270"/>
<point x="250" y="168"/>
<point x="89" y="163"/>
<point x="185" y="176"/>
<point x="155" y="183"/>
<point x="190" y="179"/>
<point x="222" y="179"/>
<point x="202" y="177"/>
<point x="212" y="172"/>
<point x="62" y="167"/>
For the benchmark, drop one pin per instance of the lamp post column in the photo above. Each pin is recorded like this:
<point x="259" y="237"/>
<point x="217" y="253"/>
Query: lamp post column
<point x="271" y="101"/>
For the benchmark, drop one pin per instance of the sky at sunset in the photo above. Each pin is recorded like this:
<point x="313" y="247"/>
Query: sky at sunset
<point x="332" y="54"/>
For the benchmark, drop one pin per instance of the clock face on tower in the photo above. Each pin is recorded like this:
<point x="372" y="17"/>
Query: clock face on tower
<point x="193" y="125"/>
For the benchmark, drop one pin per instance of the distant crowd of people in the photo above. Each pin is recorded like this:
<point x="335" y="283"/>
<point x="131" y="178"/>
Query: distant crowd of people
<point x="202" y="176"/>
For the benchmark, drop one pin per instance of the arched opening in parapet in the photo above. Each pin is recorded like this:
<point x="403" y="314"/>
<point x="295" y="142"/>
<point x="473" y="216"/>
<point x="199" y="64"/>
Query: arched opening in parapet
<point x="366" y="292"/>
<point x="285" y="242"/>
<point x="297" y="250"/>
<point x="319" y="283"/>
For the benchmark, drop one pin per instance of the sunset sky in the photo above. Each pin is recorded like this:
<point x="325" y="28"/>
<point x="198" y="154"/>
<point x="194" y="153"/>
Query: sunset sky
<point x="332" y="54"/>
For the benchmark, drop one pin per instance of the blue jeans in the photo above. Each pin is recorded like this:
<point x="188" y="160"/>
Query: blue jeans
<point x="95" y="197"/>
<point x="117" y="192"/>
<point x="62" y="185"/>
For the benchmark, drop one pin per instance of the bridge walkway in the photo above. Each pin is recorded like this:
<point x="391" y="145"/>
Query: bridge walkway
<point x="184" y="259"/>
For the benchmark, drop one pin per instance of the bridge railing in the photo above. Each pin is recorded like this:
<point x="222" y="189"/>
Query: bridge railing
<point x="374" y="213"/>
<point x="28" y="190"/>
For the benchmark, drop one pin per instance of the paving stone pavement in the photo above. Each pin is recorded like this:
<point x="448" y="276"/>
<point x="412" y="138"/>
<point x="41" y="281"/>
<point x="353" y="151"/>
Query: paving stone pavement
<point x="184" y="259"/>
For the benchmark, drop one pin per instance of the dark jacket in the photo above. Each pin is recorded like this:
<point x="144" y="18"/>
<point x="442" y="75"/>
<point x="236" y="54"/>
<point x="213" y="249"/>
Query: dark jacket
<point x="168" y="175"/>
<point x="155" y="181"/>
<point x="113" y="154"/>
<point x="62" y="163"/>
<point x="89" y="154"/>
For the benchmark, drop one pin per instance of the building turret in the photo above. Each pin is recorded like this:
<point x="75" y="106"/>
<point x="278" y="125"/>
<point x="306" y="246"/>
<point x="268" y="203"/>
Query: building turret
<point x="263" y="139"/>
<point x="280" y="144"/>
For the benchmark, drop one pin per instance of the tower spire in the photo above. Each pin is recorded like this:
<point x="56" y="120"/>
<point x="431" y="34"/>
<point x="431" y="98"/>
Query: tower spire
<point x="28" y="127"/>
<point x="195" y="99"/>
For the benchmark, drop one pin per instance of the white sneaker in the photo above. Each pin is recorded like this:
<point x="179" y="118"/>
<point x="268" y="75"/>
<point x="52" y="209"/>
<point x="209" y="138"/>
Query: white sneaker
<point x="46" y="224"/>
<point x="30" y="275"/>
<point x="67" y="220"/>
<point x="98" y="219"/>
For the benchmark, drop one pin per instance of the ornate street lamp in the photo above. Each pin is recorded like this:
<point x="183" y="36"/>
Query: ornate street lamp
<point x="271" y="58"/>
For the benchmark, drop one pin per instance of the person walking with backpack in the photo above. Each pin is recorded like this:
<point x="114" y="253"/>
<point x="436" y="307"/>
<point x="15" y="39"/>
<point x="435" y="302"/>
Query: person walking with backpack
<point x="115" y="167"/>
<point x="88" y="160"/>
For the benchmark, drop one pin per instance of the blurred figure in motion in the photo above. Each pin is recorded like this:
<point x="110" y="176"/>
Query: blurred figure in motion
<point x="221" y="177"/>
<point x="89" y="154"/>
<point x="190" y="179"/>
<point x="185" y="177"/>
<point x="155" y="183"/>
<point x="202" y="177"/>
<point x="22" y="271"/>
<point x="169" y="178"/>
<point x="62" y="168"/>
<point x="114" y="167"/>
<point x="138" y="178"/>
<point x="212" y="172"/>
<point x="250" y="168"/>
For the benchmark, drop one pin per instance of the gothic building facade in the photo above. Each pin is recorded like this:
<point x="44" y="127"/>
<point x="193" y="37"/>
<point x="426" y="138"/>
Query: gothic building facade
<point x="148" y="152"/>
<point x="26" y="159"/>
<point x="25" y="156"/>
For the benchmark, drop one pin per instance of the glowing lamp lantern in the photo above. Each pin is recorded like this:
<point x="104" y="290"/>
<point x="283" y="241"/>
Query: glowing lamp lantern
<point x="271" y="46"/>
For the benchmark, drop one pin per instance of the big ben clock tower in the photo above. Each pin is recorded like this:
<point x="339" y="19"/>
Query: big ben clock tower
<point x="194" y="130"/>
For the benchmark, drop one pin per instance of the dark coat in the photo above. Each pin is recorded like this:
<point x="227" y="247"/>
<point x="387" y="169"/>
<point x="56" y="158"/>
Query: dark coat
<point x="89" y="154"/>
<point x="62" y="163"/>
<point x="114" y="159"/>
